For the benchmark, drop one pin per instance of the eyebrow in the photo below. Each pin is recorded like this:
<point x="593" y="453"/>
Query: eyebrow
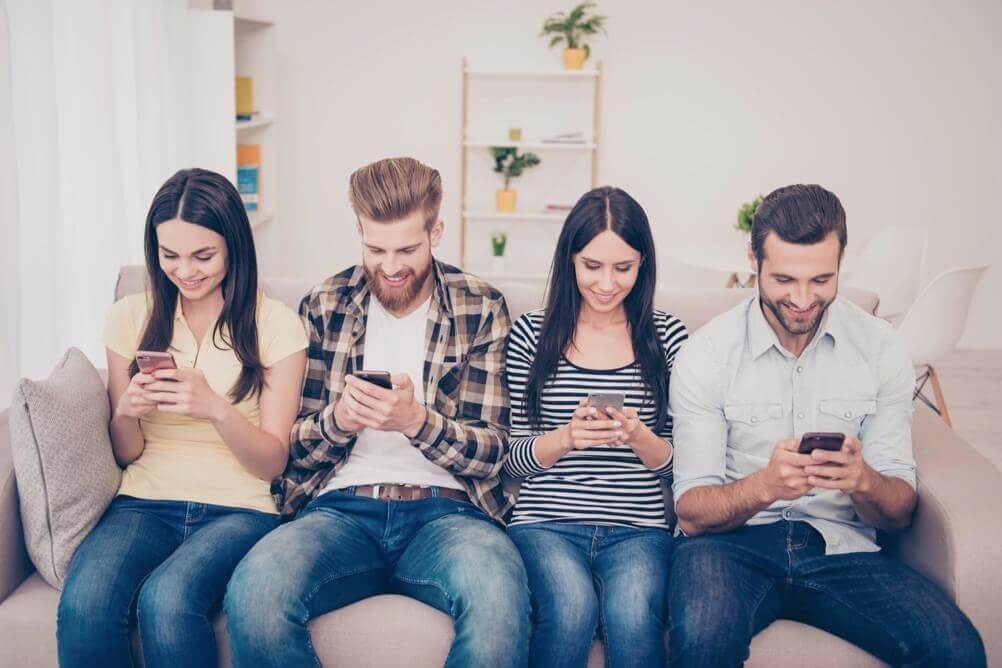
<point x="589" y="259"/>
<point x="405" y="248"/>
<point x="195" y="252"/>
<point x="778" y="275"/>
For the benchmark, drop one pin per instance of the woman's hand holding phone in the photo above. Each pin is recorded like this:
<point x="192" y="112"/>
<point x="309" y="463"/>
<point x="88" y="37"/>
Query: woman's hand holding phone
<point x="632" y="426"/>
<point x="588" y="428"/>
<point x="186" y="392"/>
<point x="135" y="402"/>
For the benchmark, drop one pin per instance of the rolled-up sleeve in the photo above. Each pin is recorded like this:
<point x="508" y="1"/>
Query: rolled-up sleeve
<point x="700" y="428"/>
<point x="886" y="434"/>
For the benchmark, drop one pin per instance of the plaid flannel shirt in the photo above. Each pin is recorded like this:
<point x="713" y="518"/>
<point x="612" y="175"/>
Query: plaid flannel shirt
<point x="466" y="429"/>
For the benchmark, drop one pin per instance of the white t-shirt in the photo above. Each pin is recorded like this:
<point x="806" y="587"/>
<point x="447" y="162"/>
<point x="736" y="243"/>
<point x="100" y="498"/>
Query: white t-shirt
<point x="396" y="345"/>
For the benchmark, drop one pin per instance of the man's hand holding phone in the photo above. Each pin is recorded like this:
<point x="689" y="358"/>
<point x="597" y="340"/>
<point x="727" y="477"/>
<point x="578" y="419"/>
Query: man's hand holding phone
<point x="842" y="469"/>
<point x="784" y="478"/>
<point x="365" y="404"/>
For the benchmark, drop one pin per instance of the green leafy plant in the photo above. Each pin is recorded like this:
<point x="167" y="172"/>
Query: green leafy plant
<point x="510" y="164"/>
<point x="746" y="214"/>
<point x="498" y="241"/>
<point x="572" y="27"/>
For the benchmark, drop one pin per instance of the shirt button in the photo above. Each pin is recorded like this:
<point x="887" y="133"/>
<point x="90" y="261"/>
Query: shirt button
<point x="848" y="414"/>
<point x="800" y="369"/>
<point x="800" y="415"/>
<point x="754" y="419"/>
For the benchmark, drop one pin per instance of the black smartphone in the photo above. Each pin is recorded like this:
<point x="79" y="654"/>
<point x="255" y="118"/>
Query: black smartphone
<point x="380" y="378"/>
<point x="603" y="400"/>
<point x="824" y="440"/>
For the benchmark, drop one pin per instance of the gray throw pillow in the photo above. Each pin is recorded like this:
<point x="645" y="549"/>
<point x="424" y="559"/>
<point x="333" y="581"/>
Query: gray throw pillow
<point x="65" y="469"/>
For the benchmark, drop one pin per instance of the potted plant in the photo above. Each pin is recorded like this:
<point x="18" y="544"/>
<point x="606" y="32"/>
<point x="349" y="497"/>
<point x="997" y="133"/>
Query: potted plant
<point x="498" y="241"/>
<point x="571" y="28"/>
<point x="746" y="215"/>
<point x="509" y="163"/>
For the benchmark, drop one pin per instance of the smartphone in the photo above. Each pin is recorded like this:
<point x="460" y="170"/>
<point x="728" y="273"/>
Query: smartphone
<point x="380" y="378"/>
<point x="820" y="439"/>
<point x="603" y="400"/>
<point x="149" y="361"/>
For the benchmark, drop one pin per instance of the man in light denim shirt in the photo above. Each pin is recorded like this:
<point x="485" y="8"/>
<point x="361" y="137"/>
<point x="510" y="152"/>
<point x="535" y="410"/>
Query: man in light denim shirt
<point x="771" y="532"/>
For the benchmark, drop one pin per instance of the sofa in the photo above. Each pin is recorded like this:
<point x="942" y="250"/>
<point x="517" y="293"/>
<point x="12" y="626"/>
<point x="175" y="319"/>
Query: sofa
<point x="955" y="540"/>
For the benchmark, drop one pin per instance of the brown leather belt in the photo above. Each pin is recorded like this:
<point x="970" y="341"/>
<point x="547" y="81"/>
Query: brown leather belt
<point x="408" y="492"/>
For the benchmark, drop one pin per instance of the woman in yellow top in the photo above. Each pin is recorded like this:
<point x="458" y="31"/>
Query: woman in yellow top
<point x="199" y="444"/>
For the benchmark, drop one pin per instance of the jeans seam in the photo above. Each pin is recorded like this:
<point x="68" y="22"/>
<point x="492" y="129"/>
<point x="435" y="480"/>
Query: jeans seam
<point x="432" y="583"/>
<point x="600" y="586"/>
<point x="902" y="645"/>
<point x="754" y="610"/>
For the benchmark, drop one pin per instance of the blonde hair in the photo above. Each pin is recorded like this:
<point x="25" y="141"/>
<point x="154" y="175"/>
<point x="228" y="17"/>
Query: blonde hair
<point x="394" y="188"/>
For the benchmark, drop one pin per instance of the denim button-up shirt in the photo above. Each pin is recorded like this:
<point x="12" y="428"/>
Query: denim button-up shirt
<point x="736" y="392"/>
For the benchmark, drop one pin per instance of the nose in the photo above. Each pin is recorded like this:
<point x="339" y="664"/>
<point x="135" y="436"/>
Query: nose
<point x="605" y="283"/>
<point x="186" y="271"/>
<point x="801" y="296"/>
<point x="390" y="265"/>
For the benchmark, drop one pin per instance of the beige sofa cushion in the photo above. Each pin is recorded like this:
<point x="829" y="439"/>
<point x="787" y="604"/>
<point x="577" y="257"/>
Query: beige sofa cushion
<point x="66" y="472"/>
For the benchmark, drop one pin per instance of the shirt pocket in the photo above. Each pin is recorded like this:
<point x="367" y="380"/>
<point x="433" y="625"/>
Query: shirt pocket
<point x="844" y="415"/>
<point x="753" y="427"/>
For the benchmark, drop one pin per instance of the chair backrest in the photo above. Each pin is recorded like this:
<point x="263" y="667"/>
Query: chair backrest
<point x="936" y="319"/>
<point x="891" y="266"/>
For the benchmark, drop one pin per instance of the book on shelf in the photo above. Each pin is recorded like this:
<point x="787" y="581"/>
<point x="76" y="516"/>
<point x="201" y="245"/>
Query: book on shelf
<point x="557" y="208"/>
<point x="245" y="98"/>
<point x="249" y="175"/>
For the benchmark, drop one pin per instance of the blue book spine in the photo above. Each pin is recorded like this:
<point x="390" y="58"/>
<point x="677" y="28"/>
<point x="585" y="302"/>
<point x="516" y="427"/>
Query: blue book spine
<point x="247" y="185"/>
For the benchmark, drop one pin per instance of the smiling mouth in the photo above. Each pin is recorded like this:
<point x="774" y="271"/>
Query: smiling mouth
<point x="191" y="285"/>
<point x="396" y="281"/>
<point x="605" y="299"/>
<point x="800" y="312"/>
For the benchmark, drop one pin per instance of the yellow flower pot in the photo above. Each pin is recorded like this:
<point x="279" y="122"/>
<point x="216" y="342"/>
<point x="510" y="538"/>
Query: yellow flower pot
<point x="504" y="200"/>
<point x="574" y="58"/>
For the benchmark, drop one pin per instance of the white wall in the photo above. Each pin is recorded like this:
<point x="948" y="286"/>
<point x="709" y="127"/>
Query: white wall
<point x="893" y="105"/>
<point x="9" y="349"/>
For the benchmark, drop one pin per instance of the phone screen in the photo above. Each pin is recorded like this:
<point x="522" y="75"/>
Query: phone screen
<point x="149" y="361"/>
<point x="605" y="400"/>
<point x="380" y="378"/>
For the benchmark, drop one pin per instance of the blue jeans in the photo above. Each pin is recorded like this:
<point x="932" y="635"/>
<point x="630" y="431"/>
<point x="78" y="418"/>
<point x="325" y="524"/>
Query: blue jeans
<point x="343" y="548"/>
<point x="585" y="576"/>
<point x="727" y="587"/>
<point x="168" y="560"/>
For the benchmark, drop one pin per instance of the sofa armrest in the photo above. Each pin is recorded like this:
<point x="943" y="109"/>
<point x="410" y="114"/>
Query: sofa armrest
<point x="955" y="538"/>
<point x="14" y="563"/>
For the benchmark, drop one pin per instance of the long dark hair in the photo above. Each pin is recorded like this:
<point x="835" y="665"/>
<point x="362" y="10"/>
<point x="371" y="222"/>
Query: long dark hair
<point x="205" y="198"/>
<point x="601" y="209"/>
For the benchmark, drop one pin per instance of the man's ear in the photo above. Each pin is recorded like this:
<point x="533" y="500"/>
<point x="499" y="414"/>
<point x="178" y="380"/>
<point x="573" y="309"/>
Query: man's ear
<point x="358" y="227"/>
<point x="752" y="261"/>
<point x="437" y="229"/>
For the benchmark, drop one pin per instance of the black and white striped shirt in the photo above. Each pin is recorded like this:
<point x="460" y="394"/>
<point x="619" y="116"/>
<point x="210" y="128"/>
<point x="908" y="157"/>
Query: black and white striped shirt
<point x="599" y="485"/>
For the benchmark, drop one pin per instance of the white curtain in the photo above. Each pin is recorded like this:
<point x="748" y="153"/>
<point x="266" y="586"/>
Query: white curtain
<point x="96" y="98"/>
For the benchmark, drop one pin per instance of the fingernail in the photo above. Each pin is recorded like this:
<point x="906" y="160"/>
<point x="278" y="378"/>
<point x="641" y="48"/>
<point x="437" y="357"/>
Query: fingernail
<point x="616" y="424"/>
<point x="618" y="434"/>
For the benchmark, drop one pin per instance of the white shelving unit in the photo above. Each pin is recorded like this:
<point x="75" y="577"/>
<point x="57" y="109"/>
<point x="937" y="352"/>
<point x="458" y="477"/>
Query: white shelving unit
<point x="542" y="103"/>
<point x="254" y="56"/>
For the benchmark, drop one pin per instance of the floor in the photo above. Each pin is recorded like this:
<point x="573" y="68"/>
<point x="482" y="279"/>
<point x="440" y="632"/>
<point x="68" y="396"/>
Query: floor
<point x="972" y="385"/>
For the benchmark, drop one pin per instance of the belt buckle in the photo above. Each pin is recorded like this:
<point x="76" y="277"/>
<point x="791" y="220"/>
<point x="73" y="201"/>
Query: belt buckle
<point x="375" y="491"/>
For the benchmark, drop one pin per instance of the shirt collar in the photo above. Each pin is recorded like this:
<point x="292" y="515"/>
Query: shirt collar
<point x="761" y="335"/>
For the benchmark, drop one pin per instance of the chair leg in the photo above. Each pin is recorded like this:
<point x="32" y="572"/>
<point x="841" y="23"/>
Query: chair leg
<point x="938" y="391"/>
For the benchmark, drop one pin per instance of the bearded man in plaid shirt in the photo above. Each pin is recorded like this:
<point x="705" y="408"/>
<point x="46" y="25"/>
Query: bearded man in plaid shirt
<point x="393" y="490"/>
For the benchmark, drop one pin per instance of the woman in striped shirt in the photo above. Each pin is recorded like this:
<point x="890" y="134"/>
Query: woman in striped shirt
<point x="590" y="520"/>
